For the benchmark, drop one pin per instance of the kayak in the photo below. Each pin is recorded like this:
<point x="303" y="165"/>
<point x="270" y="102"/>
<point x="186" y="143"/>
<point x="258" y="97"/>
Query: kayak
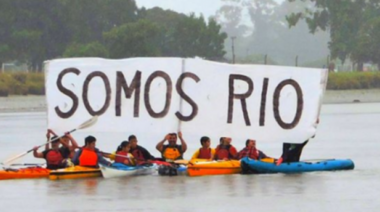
<point x="201" y="168"/>
<point x="253" y="166"/>
<point x="121" y="170"/>
<point x="74" y="172"/>
<point x="24" y="173"/>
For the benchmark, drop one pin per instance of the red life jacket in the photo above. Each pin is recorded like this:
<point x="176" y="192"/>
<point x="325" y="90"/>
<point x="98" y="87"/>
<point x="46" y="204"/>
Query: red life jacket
<point x="121" y="159"/>
<point x="88" y="158"/>
<point x="223" y="151"/>
<point x="54" y="157"/>
<point x="204" y="153"/>
<point x="251" y="152"/>
<point x="137" y="154"/>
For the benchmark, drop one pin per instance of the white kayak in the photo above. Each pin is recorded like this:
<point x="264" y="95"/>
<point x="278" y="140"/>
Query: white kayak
<point x="121" y="170"/>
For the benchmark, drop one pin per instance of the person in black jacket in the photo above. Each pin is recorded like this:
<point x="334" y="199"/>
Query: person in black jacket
<point x="139" y="153"/>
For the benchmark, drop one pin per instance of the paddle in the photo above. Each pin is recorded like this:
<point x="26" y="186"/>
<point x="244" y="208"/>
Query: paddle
<point x="158" y="162"/>
<point x="25" y="164"/>
<point x="84" y="125"/>
<point x="185" y="162"/>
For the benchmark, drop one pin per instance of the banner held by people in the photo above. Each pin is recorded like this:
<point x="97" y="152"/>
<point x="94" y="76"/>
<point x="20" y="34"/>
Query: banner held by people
<point x="160" y="95"/>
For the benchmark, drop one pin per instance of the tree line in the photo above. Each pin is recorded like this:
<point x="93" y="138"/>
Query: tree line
<point x="354" y="27"/>
<point x="39" y="30"/>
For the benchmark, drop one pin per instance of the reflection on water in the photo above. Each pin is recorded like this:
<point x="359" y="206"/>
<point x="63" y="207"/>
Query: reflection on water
<point x="347" y="134"/>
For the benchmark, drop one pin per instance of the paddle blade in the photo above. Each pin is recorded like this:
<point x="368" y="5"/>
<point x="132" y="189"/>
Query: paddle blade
<point x="88" y="123"/>
<point x="13" y="159"/>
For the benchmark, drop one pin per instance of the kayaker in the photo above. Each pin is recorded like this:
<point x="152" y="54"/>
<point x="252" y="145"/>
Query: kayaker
<point x="55" y="155"/>
<point x="205" y="152"/>
<point x="251" y="151"/>
<point x="89" y="155"/>
<point x="139" y="153"/>
<point x="68" y="139"/>
<point x="225" y="151"/>
<point x="123" y="156"/>
<point x="172" y="151"/>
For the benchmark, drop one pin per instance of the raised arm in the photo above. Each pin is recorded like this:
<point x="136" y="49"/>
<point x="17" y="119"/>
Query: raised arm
<point x="74" y="144"/>
<point x="37" y="154"/>
<point x="183" y="143"/>
<point x="160" y="144"/>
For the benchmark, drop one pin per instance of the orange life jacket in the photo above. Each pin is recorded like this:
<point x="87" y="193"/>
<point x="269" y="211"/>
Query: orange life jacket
<point x="204" y="153"/>
<point x="88" y="158"/>
<point x="171" y="153"/>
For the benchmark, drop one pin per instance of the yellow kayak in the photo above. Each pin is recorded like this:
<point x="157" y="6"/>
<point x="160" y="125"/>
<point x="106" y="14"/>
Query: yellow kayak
<point x="75" y="172"/>
<point x="200" y="168"/>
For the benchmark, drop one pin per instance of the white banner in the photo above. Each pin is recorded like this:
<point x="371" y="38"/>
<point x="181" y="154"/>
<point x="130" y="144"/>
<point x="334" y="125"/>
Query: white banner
<point x="156" y="96"/>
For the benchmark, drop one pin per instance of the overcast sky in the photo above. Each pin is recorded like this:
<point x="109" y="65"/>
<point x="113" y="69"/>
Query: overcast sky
<point x="206" y="7"/>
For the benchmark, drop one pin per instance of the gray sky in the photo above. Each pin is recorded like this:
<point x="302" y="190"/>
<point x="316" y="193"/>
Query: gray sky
<point x="206" y="7"/>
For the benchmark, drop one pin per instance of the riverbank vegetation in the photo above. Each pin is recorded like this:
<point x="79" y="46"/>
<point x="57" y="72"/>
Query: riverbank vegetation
<point x="34" y="83"/>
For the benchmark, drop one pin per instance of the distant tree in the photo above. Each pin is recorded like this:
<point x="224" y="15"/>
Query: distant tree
<point x="133" y="40"/>
<point x="187" y="36"/>
<point x="94" y="49"/>
<point x="345" y="20"/>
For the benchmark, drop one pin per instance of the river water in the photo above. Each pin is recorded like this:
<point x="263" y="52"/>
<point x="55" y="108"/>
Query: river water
<point x="345" y="131"/>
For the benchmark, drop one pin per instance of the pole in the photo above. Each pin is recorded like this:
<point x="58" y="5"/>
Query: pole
<point x="233" y="49"/>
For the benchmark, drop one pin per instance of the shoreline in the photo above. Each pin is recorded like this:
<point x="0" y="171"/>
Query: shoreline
<point x="33" y="103"/>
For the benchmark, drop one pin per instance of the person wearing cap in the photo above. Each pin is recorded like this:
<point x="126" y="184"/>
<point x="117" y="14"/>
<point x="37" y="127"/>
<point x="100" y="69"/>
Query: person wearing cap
<point x="89" y="155"/>
<point x="56" y="157"/>
<point x="205" y="152"/>
<point x="172" y="151"/>
<point x="139" y="153"/>
<point x="251" y="151"/>
<point x="225" y="151"/>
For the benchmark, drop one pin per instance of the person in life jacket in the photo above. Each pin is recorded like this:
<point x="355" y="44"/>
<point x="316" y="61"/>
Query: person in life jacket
<point x="251" y="151"/>
<point x="89" y="155"/>
<point x="172" y="151"/>
<point x="225" y="151"/>
<point x="56" y="156"/>
<point x="139" y="153"/>
<point x="205" y="152"/>
<point x="123" y="156"/>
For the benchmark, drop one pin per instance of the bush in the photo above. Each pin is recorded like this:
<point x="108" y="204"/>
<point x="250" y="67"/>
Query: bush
<point x="36" y="88"/>
<point x="353" y="80"/>
<point x="3" y="89"/>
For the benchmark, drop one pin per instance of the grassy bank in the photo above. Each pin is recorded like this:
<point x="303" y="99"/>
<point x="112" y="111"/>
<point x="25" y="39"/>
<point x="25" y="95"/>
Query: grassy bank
<point x="353" y="80"/>
<point x="33" y="83"/>
<point x="22" y="84"/>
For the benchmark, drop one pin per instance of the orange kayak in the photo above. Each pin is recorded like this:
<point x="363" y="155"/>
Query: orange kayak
<point x="24" y="173"/>
<point x="75" y="172"/>
<point x="200" y="168"/>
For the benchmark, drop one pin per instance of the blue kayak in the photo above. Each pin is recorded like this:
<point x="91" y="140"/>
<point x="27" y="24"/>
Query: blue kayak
<point x="253" y="166"/>
<point x="121" y="170"/>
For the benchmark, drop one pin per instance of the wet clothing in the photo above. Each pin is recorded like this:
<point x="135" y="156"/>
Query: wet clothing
<point x="55" y="159"/>
<point x="252" y="153"/>
<point x="172" y="153"/>
<point x="225" y="151"/>
<point x="90" y="158"/>
<point x="203" y="153"/>
<point x="141" y="154"/>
